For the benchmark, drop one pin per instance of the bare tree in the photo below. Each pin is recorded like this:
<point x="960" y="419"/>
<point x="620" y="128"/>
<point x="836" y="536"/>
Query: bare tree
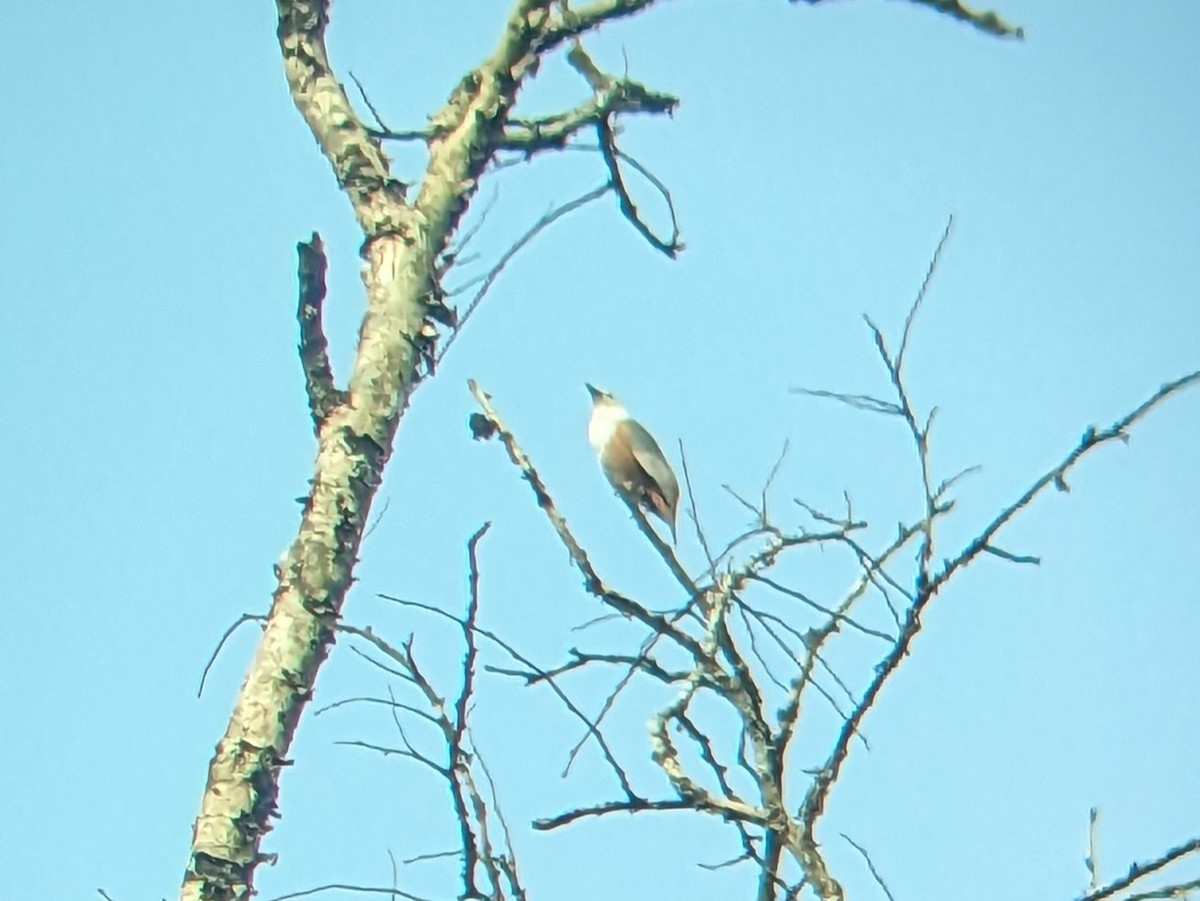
<point x="766" y="668"/>
<point x="718" y="644"/>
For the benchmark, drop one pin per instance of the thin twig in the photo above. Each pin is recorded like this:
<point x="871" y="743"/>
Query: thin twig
<point x="394" y="705"/>
<point x="870" y="866"/>
<point x="912" y="313"/>
<point x="384" y="132"/>
<point x="348" y="887"/>
<point x="244" y="618"/>
<point x="547" y="219"/>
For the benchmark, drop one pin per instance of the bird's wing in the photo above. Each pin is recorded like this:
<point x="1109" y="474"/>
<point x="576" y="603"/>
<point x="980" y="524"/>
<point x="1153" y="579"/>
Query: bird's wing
<point x="652" y="460"/>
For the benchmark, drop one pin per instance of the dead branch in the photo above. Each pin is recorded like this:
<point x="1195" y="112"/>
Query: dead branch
<point x="545" y="824"/>
<point x="323" y="395"/>
<point x="459" y="757"/>
<point x="472" y="810"/>
<point x="532" y="232"/>
<point x="870" y="866"/>
<point x="814" y="802"/>
<point x="1182" y="891"/>
<point x="612" y="97"/>
<point x="915" y="308"/>
<point x="389" y="703"/>
<point x="1139" y="871"/>
<point x="244" y="618"/>
<point x="350" y="887"/>
<point x="1090" y="440"/>
<point x="574" y="21"/>
<point x="670" y="247"/>
<point x="538" y="675"/>
<point x="986" y="20"/>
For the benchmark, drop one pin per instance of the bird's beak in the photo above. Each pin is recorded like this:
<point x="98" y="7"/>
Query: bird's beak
<point x="594" y="391"/>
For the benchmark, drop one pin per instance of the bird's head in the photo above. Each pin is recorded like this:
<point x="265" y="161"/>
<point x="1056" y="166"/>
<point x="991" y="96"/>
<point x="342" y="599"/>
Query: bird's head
<point x="607" y="412"/>
<point x="601" y="398"/>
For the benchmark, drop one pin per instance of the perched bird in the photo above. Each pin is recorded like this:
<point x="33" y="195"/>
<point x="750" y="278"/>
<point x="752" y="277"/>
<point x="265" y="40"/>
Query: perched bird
<point x="631" y="459"/>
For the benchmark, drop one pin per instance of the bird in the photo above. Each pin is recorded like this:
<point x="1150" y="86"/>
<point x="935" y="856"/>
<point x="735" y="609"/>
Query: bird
<point x="631" y="459"/>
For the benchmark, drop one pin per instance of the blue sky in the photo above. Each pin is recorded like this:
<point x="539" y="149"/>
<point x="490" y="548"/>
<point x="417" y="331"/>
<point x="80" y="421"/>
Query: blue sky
<point x="157" y="177"/>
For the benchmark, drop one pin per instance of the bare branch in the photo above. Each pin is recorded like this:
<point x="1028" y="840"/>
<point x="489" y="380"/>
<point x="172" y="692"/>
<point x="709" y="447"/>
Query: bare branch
<point x="820" y="608"/>
<point x="323" y="395"/>
<point x="489" y="279"/>
<point x="1140" y="871"/>
<point x="751" y="633"/>
<point x="903" y="407"/>
<point x="349" y="887"/>
<point x="638" y="665"/>
<point x="946" y="484"/>
<point x="469" y="630"/>
<point x="545" y="824"/>
<point x="767" y="557"/>
<point x="453" y="254"/>
<point x="457" y="753"/>
<point x="402" y="674"/>
<point x="700" y="535"/>
<point x="814" y="802"/>
<point x="434" y="855"/>
<point x="708" y="755"/>
<point x="612" y="97"/>
<point x="1091" y="440"/>
<point x="857" y="401"/>
<point x="593" y="730"/>
<point x="1182" y="891"/>
<point x="633" y="163"/>
<point x="581" y="659"/>
<point x="912" y="313"/>
<point x="378" y="518"/>
<point x="471" y="809"/>
<point x="508" y="862"/>
<point x="391" y="704"/>
<point x="244" y="618"/>
<point x="672" y="246"/>
<point x="572" y="22"/>
<point x="1011" y="557"/>
<point x="409" y="752"/>
<point x="870" y="866"/>
<point x="986" y="20"/>
<point x="384" y="132"/>
<point x="920" y="434"/>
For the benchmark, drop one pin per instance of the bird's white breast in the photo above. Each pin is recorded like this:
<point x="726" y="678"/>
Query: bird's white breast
<point x="604" y="421"/>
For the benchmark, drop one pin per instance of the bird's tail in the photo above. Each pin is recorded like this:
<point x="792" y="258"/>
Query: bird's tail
<point x="658" y="505"/>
